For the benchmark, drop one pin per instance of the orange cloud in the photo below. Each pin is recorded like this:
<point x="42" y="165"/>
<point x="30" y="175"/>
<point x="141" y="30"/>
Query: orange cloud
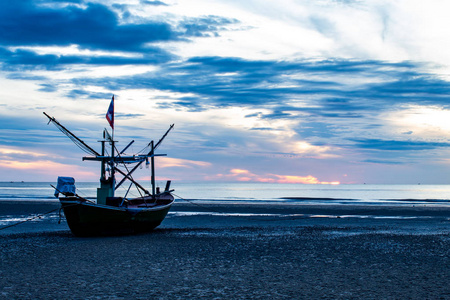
<point x="239" y="171"/>
<point x="297" y="179"/>
<point x="302" y="179"/>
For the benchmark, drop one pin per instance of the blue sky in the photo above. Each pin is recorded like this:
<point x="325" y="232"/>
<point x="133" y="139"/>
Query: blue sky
<point x="267" y="91"/>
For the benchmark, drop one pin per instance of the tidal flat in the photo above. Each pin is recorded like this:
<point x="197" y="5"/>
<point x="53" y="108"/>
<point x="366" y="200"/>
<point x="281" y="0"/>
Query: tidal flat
<point x="239" y="252"/>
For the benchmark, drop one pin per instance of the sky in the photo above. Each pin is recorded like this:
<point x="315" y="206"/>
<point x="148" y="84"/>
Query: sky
<point x="321" y="92"/>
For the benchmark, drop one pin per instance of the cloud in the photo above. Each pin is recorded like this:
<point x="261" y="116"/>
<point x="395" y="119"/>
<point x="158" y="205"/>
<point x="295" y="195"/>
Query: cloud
<point x="334" y="89"/>
<point x="247" y="176"/>
<point x="19" y="59"/>
<point x="395" y="145"/>
<point x="90" y="26"/>
<point x="45" y="168"/>
<point x="7" y="152"/>
<point x="154" y="3"/>
<point x="384" y="162"/>
<point x="169" y="162"/>
<point x="93" y="26"/>
<point x="301" y="179"/>
<point x="208" y="26"/>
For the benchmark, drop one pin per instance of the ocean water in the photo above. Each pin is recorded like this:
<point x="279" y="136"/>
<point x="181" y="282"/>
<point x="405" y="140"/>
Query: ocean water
<point x="231" y="193"/>
<point x="255" y="192"/>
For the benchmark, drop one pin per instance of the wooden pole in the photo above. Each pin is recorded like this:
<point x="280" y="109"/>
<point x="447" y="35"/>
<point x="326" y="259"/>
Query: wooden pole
<point x="113" y="177"/>
<point x="153" y="171"/>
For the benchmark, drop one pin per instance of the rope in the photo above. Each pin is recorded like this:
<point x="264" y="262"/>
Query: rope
<point x="80" y="144"/>
<point x="29" y="219"/>
<point x="39" y="216"/>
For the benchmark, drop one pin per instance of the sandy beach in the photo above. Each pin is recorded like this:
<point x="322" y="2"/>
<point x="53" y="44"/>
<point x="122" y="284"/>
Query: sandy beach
<point x="221" y="251"/>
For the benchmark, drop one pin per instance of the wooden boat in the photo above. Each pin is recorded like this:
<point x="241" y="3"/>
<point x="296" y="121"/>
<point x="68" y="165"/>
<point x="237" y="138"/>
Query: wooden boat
<point x="139" y="215"/>
<point x="109" y="214"/>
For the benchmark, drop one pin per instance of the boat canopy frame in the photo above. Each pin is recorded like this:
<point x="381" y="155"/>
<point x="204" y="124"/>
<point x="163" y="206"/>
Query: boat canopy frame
<point x="114" y="160"/>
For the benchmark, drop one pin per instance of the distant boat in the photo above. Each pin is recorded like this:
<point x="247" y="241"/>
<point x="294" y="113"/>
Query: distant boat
<point x="110" y="214"/>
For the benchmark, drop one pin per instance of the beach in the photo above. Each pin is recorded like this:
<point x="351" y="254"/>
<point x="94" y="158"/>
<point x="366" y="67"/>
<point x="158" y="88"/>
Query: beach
<point x="239" y="251"/>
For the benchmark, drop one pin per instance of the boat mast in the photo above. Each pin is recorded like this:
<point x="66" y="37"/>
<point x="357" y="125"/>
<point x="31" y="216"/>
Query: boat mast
<point x="113" y="177"/>
<point x="103" y="169"/>
<point x="106" y="188"/>
<point x="153" y="169"/>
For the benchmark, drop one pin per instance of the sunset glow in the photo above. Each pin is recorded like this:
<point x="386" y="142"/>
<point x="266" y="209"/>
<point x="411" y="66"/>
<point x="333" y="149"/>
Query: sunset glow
<point x="247" y="176"/>
<point x="46" y="168"/>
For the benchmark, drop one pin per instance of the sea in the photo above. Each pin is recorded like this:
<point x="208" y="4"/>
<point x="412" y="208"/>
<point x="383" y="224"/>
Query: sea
<point x="251" y="192"/>
<point x="199" y="193"/>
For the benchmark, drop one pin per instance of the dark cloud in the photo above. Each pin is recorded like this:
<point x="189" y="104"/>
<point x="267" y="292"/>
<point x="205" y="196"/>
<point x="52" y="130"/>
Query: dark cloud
<point x="277" y="115"/>
<point x="90" y="26"/>
<point x="23" y="23"/>
<point x="154" y="3"/>
<point x="126" y="116"/>
<point x="395" y="145"/>
<point x="46" y="87"/>
<point x="228" y="81"/>
<point x="205" y="26"/>
<point x="262" y="128"/>
<point x="384" y="162"/>
<point x="315" y="129"/>
<point x="83" y="94"/>
<point x="411" y="88"/>
<point x="14" y="60"/>
<point x="231" y="81"/>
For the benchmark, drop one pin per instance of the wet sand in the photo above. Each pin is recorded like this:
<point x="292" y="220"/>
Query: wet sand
<point x="238" y="252"/>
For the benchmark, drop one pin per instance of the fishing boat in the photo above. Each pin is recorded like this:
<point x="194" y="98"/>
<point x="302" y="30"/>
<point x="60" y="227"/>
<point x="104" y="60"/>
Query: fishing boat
<point x="107" y="213"/>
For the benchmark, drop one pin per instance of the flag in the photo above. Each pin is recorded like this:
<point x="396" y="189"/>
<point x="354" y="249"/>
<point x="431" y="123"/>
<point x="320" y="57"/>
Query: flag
<point x="110" y="113"/>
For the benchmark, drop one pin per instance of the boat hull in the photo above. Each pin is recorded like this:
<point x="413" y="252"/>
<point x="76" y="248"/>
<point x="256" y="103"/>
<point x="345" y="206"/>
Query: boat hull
<point x="89" y="219"/>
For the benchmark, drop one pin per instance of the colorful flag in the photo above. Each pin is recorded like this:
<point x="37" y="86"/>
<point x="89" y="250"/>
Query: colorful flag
<point x="110" y="113"/>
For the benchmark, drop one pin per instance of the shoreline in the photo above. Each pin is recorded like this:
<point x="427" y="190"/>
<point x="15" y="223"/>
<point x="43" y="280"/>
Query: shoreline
<point x="403" y="218"/>
<point x="24" y="207"/>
